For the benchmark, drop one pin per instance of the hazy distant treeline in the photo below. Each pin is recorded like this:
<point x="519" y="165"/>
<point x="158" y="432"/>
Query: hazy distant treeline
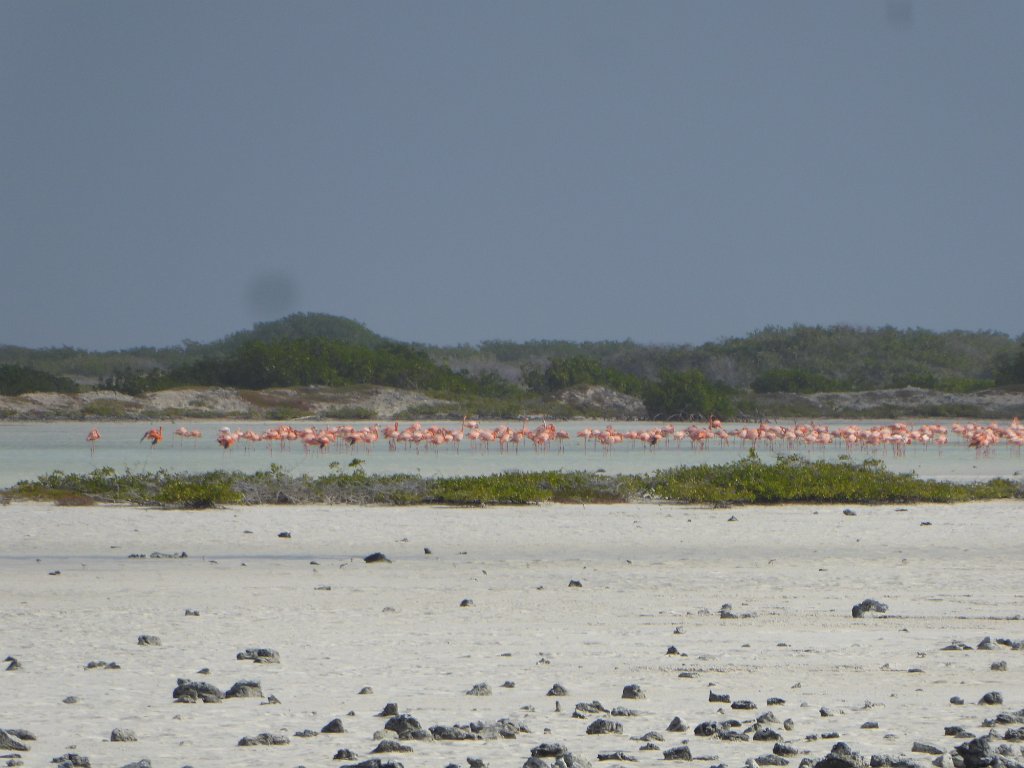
<point x="499" y="376"/>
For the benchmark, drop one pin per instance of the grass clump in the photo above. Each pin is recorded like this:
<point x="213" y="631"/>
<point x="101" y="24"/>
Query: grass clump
<point x="791" y="479"/>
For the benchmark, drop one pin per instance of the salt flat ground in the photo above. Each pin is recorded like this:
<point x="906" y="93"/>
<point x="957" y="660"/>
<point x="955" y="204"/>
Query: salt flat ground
<point x="652" y="576"/>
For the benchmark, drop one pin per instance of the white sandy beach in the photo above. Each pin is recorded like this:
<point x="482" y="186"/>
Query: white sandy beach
<point x="652" y="576"/>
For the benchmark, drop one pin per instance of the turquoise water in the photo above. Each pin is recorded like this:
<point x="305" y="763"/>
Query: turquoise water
<point x="28" y="450"/>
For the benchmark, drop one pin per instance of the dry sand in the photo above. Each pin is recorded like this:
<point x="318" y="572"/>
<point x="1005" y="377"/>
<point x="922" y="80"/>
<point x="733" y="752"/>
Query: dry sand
<point x="652" y="576"/>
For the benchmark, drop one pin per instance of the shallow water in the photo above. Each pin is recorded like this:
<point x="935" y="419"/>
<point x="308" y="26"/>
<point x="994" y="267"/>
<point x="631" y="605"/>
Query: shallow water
<point x="30" y="449"/>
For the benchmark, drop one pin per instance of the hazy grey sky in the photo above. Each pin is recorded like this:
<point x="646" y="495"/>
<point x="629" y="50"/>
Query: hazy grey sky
<point x="457" y="171"/>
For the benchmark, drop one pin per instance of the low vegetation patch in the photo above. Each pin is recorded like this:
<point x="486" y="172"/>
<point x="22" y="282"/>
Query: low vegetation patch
<point x="791" y="479"/>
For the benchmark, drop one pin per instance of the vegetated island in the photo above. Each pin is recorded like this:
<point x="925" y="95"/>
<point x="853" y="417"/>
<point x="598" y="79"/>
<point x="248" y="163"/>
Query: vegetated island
<point x="317" y="366"/>
<point x="790" y="479"/>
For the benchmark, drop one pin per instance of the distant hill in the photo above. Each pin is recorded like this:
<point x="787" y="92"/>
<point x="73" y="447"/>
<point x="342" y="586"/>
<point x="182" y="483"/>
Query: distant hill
<point x="301" y="325"/>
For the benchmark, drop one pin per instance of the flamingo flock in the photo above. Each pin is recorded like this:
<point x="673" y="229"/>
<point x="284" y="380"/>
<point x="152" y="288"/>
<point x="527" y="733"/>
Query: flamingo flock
<point x="896" y="437"/>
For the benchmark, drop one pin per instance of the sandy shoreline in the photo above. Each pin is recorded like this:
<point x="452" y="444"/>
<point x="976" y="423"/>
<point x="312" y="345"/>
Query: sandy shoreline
<point x="646" y="572"/>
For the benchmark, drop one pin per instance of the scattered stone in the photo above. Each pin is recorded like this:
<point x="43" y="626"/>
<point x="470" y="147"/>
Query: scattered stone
<point x="841" y="756"/>
<point x="678" y="753"/>
<point x="775" y="701"/>
<point x="284" y="535"/>
<point x="743" y="704"/>
<point x="21" y="734"/>
<point x="957" y="700"/>
<point x="591" y="707"/>
<point x="390" y="710"/>
<point x="13" y="664"/>
<point x="869" y="725"/>
<point x="192" y="691"/>
<point x="925" y="748"/>
<point x="102" y="665"/>
<point x="72" y="760"/>
<point x="866" y="606"/>
<point x="958" y="731"/>
<point x="345" y="754"/>
<point x="624" y="712"/>
<point x="480" y="689"/>
<point x="191" y="612"/>
<point x="672" y="651"/>
<point x="376" y="557"/>
<point x="8" y="741"/>
<point x="766" y="734"/>
<point x="615" y="756"/>
<point x="992" y="697"/>
<point x="144" y="763"/>
<point x="390" y="745"/>
<point x="245" y="689"/>
<point x="826" y="712"/>
<point x="677" y="726"/>
<point x="70" y="700"/>
<point x="365" y="690"/>
<point x="575" y="583"/>
<point x="771" y="759"/>
<point x="957" y="645"/>
<point x="849" y="513"/>
<point x="335" y="726"/>
<point x="557" y="690"/>
<point x="998" y="666"/>
<point x="123" y="734"/>
<point x="548" y="750"/>
<point x="508" y="684"/>
<point x="986" y="644"/>
<point x="264" y="739"/>
<point x="406" y="726"/>
<point x="467" y="603"/>
<point x="305" y="734"/>
<point x="602" y="726"/>
<point x="259" y="656"/>
<point x="723" y="698"/>
<point x="786" y="750"/>
<point x="633" y="691"/>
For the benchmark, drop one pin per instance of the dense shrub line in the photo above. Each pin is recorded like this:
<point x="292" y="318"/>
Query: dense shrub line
<point x="791" y="479"/>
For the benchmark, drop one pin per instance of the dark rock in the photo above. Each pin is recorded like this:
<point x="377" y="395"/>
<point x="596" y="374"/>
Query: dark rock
<point x="557" y="690"/>
<point x="591" y="707"/>
<point x="365" y="690"/>
<point x="957" y="700"/>
<point x="602" y="726"/>
<point x="677" y="726"/>
<point x="771" y="759"/>
<point x="345" y="754"/>
<point x="723" y="698"/>
<point x="403" y="725"/>
<point x="376" y="762"/>
<point x="786" y="750"/>
<point x="21" y="734"/>
<point x="192" y="691"/>
<point x="102" y="665"/>
<point x="841" y="756"/>
<point x="467" y="603"/>
<point x="672" y="651"/>
<point x="775" y="701"/>
<point x="390" y="745"/>
<point x="958" y="731"/>
<point x="144" y="763"/>
<point x="766" y="734"/>
<point x="826" y="712"/>
<point x="678" y="753"/>
<point x="986" y="644"/>
<point x="13" y="664"/>
<point x="245" y="689"/>
<point x="624" y="712"/>
<point x="548" y="750"/>
<point x="305" y="734"/>
<point x="767" y="717"/>
<point x="508" y="684"/>
<point x="376" y="557"/>
<point x="575" y="583"/>
<point x="977" y="753"/>
<point x="991" y="698"/>
<point x="1013" y="734"/>
<point x="998" y="666"/>
<point x="335" y="726"/>
<point x="743" y="704"/>
<point x="70" y="699"/>
<point x="390" y="709"/>
<point x="453" y="733"/>
<point x="284" y="535"/>
<point x="123" y="734"/>
<point x="633" y="691"/>
<point x="149" y="640"/>
<point x="259" y="656"/>
<point x="707" y="728"/>
<point x="649" y="736"/>
<point x="8" y="741"/>
<point x="925" y="748"/>
<point x="264" y="740"/>
<point x="615" y="756"/>
<point x="480" y="689"/>
<point x="869" y="725"/>
<point x="72" y="760"/>
<point x="956" y="645"/>
<point x="191" y="612"/>
<point x="849" y="513"/>
<point x="866" y="606"/>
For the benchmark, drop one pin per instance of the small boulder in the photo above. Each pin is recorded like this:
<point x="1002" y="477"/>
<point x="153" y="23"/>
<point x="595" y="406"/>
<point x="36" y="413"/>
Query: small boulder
<point x="123" y="734"/>
<point x="633" y="691"/>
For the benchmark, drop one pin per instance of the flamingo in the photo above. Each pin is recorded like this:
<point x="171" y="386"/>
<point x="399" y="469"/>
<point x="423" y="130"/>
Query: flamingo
<point x="91" y="438"/>
<point x="154" y="436"/>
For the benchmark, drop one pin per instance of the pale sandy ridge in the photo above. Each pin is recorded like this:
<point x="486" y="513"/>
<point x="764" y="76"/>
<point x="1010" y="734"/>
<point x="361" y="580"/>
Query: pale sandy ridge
<point x="652" y="576"/>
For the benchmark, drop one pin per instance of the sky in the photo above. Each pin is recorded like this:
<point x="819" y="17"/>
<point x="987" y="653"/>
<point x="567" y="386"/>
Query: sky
<point x="450" y="172"/>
